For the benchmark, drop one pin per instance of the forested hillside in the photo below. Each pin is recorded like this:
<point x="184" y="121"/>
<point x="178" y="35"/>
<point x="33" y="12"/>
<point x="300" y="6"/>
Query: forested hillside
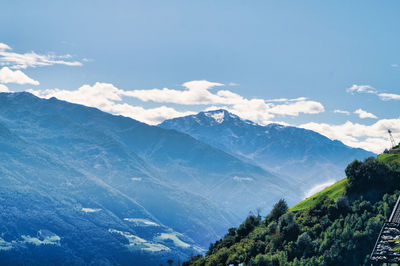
<point x="337" y="226"/>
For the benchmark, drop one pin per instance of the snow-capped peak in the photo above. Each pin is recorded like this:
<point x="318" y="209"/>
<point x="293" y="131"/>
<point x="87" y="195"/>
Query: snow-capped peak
<point x="218" y="117"/>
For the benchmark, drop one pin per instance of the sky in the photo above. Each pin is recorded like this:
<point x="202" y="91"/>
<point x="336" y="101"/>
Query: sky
<point x="329" y="66"/>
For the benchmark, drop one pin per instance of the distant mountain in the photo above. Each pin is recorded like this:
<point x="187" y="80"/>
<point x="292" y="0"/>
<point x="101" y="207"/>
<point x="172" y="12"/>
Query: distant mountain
<point x="307" y="157"/>
<point x="92" y="187"/>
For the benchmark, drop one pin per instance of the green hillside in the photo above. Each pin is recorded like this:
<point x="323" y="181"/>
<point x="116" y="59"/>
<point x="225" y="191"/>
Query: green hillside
<point x="337" y="190"/>
<point x="389" y="158"/>
<point x="337" y="226"/>
<point x="332" y="192"/>
<point x="393" y="156"/>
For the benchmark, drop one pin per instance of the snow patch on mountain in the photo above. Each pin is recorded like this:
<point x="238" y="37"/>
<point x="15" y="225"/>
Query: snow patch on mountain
<point x="243" y="179"/>
<point x="4" y="245"/>
<point x="174" y="237"/>
<point x="141" y="222"/>
<point x="44" y="237"/>
<point x="90" y="210"/>
<point x="138" y="243"/>
<point x="218" y="117"/>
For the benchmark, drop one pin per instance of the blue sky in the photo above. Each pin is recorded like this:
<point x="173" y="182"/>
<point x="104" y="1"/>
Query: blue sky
<point x="258" y="51"/>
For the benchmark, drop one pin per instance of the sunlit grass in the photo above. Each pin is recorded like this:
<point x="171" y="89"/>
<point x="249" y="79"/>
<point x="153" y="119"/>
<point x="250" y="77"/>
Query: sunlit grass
<point x="332" y="192"/>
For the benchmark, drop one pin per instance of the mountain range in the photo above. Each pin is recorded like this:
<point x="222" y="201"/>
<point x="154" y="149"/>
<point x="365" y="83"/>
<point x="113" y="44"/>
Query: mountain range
<point x="302" y="156"/>
<point x="82" y="186"/>
<point x="111" y="189"/>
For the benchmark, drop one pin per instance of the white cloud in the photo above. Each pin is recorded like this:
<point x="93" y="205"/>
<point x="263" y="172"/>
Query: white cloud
<point x="3" y="88"/>
<point x="364" y="114"/>
<point x="108" y="98"/>
<point x="294" y="109"/>
<point x="389" y="96"/>
<point x="337" y="111"/>
<point x="152" y="116"/>
<point x="200" y="84"/>
<point x="394" y="65"/>
<point x="15" y="76"/>
<point x="198" y="93"/>
<point x="32" y="59"/>
<point x="361" y="89"/>
<point x="257" y="110"/>
<point x="4" y="46"/>
<point x="370" y="137"/>
<point x="287" y="100"/>
<point x="372" y="90"/>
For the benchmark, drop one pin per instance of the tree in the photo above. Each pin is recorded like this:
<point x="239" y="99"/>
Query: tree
<point x="371" y="178"/>
<point x="279" y="209"/>
<point x="304" y="244"/>
<point x="248" y="225"/>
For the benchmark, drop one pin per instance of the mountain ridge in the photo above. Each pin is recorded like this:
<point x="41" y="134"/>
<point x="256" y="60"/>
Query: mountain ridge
<point x="306" y="156"/>
<point x="116" y="176"/>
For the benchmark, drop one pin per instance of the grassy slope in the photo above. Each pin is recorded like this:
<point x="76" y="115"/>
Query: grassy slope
<point x="388" y="158"/>
<point x="336" y="190"/>
<point x="332" y="192"/>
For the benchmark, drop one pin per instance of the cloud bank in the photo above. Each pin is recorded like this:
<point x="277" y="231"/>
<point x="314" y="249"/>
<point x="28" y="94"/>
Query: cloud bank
<point x="21" y="61"/>
<point x="364" y="114"/>
<point x="369" y="89"/>
<point x="4" y="88"/>
<point x="17" y="76"/>
<point x="108" y="98"/>
<point x="370" y="137"/>
<point x="212" y="95"/>
<point x="198" y="92"/>
<point x="337" y="111"/>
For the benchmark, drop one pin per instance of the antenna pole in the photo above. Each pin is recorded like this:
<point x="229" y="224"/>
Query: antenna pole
<point x="391" y="138"/>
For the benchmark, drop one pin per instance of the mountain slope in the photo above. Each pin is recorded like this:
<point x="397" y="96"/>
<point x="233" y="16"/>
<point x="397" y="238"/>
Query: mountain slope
<point x="338" y="226"/>
<point x="133" y="191"/>
<point x="50" y="212"/>
<point x="306" y="156"/>
<point x="333" y="192"/>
